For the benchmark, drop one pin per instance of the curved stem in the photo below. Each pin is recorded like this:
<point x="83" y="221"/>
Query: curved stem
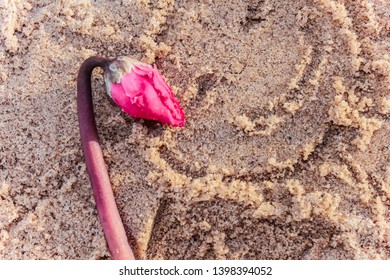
<point x="105" y="202"/>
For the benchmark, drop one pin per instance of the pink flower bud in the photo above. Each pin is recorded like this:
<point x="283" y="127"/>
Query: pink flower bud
<point x="141" y="91"/>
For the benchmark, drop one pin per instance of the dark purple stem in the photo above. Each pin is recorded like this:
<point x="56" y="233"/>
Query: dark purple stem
<point x="105" y="202"/>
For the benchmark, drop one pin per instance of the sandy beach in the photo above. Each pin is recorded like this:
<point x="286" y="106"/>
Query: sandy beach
<point x="285" y="151"/>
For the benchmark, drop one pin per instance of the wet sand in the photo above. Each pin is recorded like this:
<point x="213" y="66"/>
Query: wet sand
<point x="285" y="153"/>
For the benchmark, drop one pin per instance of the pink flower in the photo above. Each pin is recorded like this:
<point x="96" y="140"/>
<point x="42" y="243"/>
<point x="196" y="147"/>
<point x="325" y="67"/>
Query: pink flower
<point x="141" y="91"/>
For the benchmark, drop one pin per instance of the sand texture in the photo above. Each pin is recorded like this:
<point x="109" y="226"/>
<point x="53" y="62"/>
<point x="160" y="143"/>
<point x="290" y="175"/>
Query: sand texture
<point x="285" y="153"/>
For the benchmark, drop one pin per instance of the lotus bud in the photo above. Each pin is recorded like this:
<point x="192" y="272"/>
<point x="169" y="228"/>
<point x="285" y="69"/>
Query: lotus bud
<point x="142" y="92"/>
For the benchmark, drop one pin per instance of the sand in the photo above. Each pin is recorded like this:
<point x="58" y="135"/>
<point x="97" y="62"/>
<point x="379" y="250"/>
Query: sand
<point x="285" y="153"/>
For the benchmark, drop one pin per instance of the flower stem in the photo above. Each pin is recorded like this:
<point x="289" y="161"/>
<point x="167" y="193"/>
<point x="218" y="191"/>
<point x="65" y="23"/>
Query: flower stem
<point x="105" y="202"/>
